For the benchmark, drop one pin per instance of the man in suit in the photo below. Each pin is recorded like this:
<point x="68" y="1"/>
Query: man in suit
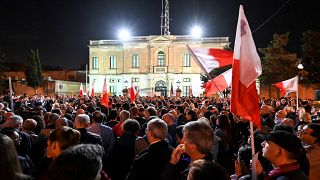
<point x="150" y="163"/>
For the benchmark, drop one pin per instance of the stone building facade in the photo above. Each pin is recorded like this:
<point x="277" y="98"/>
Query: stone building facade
<point x="152" y="64"/>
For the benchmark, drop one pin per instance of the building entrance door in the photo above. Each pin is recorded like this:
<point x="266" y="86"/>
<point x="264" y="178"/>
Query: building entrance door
<point x="161" y="87"/>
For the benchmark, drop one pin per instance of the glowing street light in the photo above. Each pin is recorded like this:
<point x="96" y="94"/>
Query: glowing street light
<point x="124" y="34"/>
<point x="196" y="32"/>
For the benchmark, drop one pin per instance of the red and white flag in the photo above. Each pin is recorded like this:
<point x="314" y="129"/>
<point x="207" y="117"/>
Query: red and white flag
<point x="105" y="98"/>
<point x="219" y="83"/>
<point x="290" y="85"/>
<point x="133" y="93"/>
<point x="92" y="89"/>
<point x="211" y="58"/>
<point x="246" y="68"/>
<point x="81" y="90"/>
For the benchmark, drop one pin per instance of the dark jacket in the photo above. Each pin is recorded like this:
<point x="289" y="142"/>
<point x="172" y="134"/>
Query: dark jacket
<point x="121" y="157"/>
<point x="88" y="137"/>
<point x="150" y="163"/>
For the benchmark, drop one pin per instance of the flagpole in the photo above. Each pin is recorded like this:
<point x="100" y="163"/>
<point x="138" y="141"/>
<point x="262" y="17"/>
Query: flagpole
<point x="11" y="98"/>
<point x="87" y="79"/>
<point x="297" y="93"/>
<point x="253" y="151"/>
<point x="201" y="66"/>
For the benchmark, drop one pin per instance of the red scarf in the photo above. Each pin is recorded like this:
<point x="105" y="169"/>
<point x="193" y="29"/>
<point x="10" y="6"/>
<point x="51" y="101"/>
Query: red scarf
<point x="283" y="169"/>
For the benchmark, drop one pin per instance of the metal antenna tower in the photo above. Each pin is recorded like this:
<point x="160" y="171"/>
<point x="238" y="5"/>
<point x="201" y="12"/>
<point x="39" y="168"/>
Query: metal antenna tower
<point x="165" y="18"/>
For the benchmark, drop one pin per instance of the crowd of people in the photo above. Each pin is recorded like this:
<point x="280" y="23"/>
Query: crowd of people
<point x="165" y="138"/>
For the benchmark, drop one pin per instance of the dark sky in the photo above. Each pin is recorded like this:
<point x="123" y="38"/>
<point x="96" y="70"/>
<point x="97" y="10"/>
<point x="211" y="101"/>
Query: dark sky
<point x="61" y="29"/>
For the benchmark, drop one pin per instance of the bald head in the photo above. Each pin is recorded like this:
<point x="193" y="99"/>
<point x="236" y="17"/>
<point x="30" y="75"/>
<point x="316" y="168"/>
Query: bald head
<point x="29" y="125"/>
<point x="80" y="111"/>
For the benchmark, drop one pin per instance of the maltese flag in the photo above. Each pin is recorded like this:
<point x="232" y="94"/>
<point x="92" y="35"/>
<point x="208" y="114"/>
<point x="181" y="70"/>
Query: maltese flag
<point x="211" y="58"/>
<point x="290" y="85"/>
<point x="246" y="68"/>
<point x="219" y="83"/>
<point x="81" y="90"/>
<point x="105" y="97"/>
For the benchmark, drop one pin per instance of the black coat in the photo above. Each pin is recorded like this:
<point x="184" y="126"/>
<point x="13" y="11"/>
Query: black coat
<point x="88" y="137"/>
<point x="151" y="162"/>
<point x="121" y="157"/>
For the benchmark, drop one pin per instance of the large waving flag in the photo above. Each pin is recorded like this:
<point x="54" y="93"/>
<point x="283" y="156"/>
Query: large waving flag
<point x="132" y="93"/>
<point x="105" y="98"/>
<point x="211" y="58"/>
<point x="219" y="83"/>
<point x="287" y="86"/>
<point x="246" y="68"/>
<point x="81" y="90"/>
<point x="92" y="89"/>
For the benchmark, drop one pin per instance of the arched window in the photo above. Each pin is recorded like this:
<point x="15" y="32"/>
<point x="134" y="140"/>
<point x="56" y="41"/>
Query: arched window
<point x="161" y="61"/>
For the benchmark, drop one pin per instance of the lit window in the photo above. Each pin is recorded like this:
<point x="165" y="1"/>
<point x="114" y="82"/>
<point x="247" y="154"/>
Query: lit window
<point x="186" y="60"/>
<point x="95" y="63"/>
<point x="113" y="62"/>
<point x="185" y="90"/>
<point x="135" y="60"/>
<point x="113" y="90"/>
<point x="161" y="58"/>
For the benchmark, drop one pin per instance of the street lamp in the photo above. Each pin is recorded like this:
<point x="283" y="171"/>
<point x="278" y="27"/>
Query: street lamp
<point x="196" y="32"/>
<point x="124" y="34"/>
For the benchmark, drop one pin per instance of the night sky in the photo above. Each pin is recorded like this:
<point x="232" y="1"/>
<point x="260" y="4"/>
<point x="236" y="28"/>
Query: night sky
<point x="61" y="30"/>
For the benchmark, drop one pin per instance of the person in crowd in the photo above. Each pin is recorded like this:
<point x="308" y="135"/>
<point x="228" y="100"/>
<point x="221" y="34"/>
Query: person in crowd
<point x="25" y="162"/>
<point x="113" y="118"/>
<point x="134" y="114"/>
<point x="242" y="163"/>
<point x="122" y="154"/>
<point x="198" y="139"/>
<point x="117" y="129"/>
<point x="285" y="152"/>
<point x="311" y="138"/>
<point x="206" y="170"/>
<point x="191" y="116"/>
<point x="150" y="163"/>
<point x="58" y="140"/>
<point x="171" y="136"/>
<point x="181" y="118"/>
<point x="81" y="162"/>
<point x="10" y="168"/>
<point x="62" y="121"/>
<point x="280" y="116"/>
<point x="104" y="131"/>
<point x="82" y="123"/>
<point x="28" y="126"/>
<point x="26" y="144"/>
<point x="225" y="154"/>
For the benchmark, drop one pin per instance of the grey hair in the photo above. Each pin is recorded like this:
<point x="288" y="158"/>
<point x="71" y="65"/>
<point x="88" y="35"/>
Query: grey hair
<point x="83" y="119"/>
<point x="158" y="128"/>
